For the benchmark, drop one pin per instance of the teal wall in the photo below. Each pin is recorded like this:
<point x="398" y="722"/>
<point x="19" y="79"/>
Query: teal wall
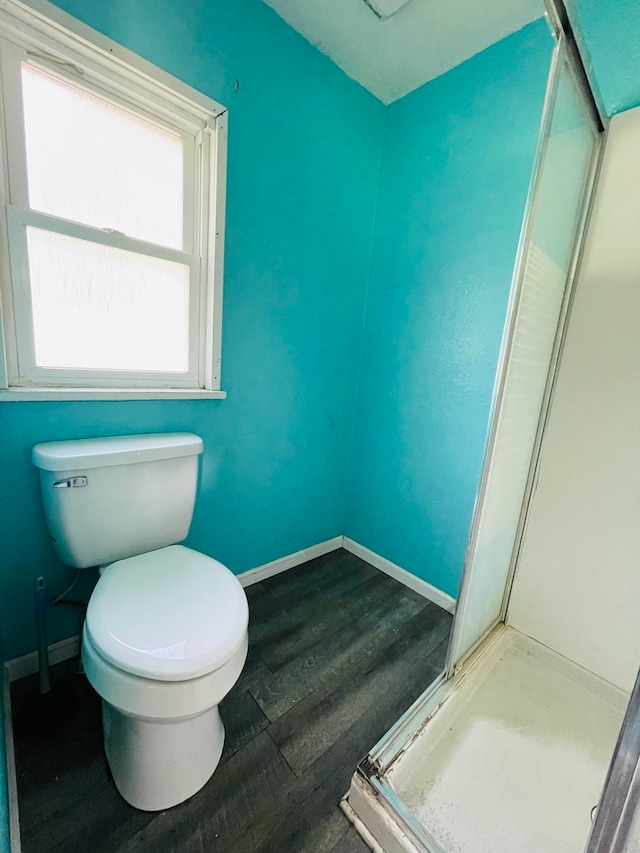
<point x="608" y="34"/>
<point x="304" y="148"/>
<point x="455" y="172"/>
<point x="305" y="176"/>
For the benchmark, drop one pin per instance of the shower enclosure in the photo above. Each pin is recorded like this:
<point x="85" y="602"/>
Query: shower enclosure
<point x="511" y="748"/>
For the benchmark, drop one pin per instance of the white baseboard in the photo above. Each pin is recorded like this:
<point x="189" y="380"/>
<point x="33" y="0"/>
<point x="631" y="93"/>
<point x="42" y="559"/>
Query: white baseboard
<point x="28" y="664"/>
<point x="69" y="648"/>
<point x="261" y="573"/>
<point x="437" y="596"/>
<point x="12" y="788"/>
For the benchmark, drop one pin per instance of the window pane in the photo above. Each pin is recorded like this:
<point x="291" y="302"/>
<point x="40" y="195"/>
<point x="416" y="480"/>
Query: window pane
<point x="96" y="307"/>
<point x="95" y="163"/>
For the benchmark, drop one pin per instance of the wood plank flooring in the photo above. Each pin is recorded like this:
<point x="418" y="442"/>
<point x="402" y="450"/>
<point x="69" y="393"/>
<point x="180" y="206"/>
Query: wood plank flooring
<point x="337" y="652"/>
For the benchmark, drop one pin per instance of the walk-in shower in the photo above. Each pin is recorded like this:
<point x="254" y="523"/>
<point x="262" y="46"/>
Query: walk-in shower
<point x="510" y="749"/>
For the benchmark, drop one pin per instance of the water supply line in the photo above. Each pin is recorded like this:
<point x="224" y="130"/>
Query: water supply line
<point x="40" y="606"/>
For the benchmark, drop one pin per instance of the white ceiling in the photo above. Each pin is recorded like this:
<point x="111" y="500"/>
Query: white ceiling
<point x="393" y="56"/>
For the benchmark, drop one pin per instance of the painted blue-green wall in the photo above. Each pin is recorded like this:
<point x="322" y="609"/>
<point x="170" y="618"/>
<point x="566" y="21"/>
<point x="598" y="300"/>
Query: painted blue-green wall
<point x="304" y="161"/>
<point x="304" y="148"/>
<point x="455" y="171"/>
<point x="608" y="34"/>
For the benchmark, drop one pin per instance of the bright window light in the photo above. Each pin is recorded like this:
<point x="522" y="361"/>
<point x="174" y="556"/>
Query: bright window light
<point x="101" y="308"/>
<point x="90" y="161"/>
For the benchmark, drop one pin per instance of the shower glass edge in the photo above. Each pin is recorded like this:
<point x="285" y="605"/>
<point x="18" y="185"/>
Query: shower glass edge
<point x="393" y="742"/>
<point x="545" y="270"/>
<point x="396" y="740"/>
<point x="455" y="654"/>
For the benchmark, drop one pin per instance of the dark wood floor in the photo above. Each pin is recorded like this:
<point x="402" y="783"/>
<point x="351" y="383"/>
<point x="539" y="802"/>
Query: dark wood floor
<point x="338" y="651"/>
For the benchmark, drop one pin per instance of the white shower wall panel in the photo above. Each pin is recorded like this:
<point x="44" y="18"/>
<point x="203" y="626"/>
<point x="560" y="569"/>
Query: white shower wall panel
<point x="577" y="586"/>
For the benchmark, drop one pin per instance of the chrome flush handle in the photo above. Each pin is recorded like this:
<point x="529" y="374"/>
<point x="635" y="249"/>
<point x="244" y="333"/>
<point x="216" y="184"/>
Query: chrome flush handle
<point x="71" y="483"/>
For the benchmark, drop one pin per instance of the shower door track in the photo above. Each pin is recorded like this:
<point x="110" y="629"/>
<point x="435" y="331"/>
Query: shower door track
<point x="369" y="780"/>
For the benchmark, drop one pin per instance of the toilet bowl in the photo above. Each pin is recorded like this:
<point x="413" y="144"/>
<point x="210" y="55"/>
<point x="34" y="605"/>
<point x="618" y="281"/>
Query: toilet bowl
<point x="164" y="641"/>
<point x="166" y="632"/>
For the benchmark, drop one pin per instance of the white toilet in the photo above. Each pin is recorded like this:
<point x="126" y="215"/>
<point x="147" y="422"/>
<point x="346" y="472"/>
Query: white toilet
<point x="165" y="637"/>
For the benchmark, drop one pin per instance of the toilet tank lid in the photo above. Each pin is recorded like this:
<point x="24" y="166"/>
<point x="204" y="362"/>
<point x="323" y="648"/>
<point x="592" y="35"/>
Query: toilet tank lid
<point x="114" y="450"/>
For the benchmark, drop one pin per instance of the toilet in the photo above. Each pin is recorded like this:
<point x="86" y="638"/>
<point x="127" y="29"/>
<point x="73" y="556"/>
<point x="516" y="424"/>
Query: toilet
<point x="166" y="632"/>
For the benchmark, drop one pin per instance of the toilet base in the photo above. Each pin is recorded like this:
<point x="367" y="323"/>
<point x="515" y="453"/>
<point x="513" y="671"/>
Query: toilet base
<point x="157" y="764"/>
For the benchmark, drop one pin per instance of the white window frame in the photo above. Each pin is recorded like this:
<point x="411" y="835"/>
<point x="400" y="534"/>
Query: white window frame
<point x="43" y="35"/>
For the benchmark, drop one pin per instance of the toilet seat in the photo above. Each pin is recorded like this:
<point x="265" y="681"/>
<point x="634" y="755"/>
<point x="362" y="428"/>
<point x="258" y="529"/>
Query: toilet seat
<point x="152" y="699"/>
<point x="168" y="615"/>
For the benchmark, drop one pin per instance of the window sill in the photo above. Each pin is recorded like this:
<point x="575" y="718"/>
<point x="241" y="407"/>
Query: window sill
<point x="40" y="395"/>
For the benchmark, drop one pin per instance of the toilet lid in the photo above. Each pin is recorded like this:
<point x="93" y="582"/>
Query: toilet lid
<point x="171" y="614"/>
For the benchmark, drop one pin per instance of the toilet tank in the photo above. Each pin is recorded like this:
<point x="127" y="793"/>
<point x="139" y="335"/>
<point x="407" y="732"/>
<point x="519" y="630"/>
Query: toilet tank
<point x="110" y="498"/>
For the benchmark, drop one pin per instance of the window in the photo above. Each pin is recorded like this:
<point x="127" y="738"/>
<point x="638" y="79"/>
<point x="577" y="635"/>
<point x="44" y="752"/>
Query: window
<point x="113" y="198"/>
